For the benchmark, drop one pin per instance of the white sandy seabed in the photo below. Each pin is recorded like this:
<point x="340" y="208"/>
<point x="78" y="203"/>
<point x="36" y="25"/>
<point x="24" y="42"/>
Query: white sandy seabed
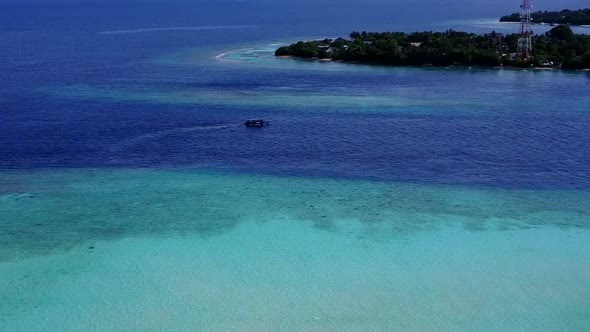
<point x="281" y="269"/>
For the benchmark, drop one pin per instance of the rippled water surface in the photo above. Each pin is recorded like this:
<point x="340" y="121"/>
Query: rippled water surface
<point x="133" y="198"/>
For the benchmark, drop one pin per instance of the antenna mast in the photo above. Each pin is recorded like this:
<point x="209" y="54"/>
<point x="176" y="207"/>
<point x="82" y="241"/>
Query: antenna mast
<point x="525" y="43"/>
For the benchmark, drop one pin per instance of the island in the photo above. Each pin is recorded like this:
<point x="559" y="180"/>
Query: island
<point x="566" y="16"/>
<point x="559" y="47"/>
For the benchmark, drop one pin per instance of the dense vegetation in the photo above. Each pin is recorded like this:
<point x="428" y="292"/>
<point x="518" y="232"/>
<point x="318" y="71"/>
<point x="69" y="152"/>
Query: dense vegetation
<point x="558" y="47"/>
<point x="573" y="17"/>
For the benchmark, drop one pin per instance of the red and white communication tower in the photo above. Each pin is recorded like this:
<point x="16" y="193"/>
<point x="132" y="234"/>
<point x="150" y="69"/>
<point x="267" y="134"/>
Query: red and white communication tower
<point x="525" y="43"/>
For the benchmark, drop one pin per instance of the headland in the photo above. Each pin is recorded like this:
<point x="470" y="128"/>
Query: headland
<point x="566" y="16"/>
<point x="558" y="48"/>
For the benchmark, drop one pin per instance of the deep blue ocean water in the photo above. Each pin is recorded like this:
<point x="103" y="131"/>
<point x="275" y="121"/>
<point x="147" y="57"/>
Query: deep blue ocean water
<point x="133" y="198"/>
<point x="521" y="130"/>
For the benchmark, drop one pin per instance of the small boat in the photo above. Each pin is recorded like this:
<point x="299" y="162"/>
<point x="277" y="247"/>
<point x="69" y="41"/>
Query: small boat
<point x="256" y="123"/>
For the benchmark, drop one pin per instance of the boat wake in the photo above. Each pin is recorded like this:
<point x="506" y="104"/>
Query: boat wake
<point x="145" y="30"/>
<point x="187" y="131"/>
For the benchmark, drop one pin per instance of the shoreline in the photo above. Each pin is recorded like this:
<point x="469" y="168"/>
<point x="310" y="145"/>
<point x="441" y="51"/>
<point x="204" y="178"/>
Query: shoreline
<point x="549" y="24"/>
<point x="459" y="67"/>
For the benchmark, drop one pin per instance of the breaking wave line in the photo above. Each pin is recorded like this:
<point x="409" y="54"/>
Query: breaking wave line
<point x="221" y="27"/>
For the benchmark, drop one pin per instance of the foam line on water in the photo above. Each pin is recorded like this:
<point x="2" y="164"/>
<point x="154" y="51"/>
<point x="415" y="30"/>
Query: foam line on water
<point x="144" y="30"/>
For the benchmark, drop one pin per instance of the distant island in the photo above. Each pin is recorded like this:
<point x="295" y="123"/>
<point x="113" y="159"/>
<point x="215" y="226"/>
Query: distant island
<point x="559" y="47"/>
<point x="566" y="16"/>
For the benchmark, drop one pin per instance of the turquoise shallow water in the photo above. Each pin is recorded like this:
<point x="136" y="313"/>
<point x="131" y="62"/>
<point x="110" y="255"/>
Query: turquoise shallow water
<point x="45" y="211"/>
<point x="197" y="250"/>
